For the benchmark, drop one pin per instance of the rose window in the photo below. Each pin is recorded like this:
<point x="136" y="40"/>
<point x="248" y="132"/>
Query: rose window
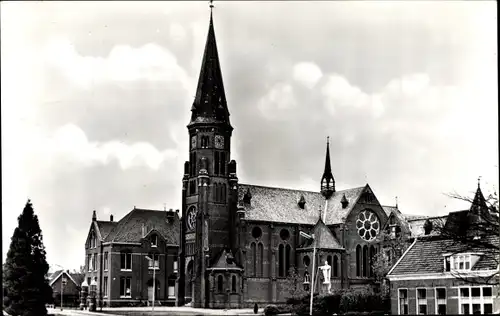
<point x="191" y="219"/>
<point x="368" y="225"/>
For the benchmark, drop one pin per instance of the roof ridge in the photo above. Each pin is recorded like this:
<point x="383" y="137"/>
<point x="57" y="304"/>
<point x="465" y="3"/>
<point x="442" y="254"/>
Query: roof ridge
<point x="404" y="254"/>
<point x="290" y="189"/>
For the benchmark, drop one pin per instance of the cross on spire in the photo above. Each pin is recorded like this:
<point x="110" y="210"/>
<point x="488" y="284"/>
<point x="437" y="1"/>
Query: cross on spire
<point x="211" y="4"/>
<point x="479" y="181"/>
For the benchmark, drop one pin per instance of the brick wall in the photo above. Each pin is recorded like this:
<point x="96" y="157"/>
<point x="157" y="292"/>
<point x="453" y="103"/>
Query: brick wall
<point x="452" y="294"/>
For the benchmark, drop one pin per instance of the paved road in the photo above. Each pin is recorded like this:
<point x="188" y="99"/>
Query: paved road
<point x="159" y="311"/>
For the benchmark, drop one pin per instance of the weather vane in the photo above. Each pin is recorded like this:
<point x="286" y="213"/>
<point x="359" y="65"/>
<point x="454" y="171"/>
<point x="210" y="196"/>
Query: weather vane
<point x="328" y="139"/>
<point x="478" y="181"/>
<point x="211" y="4"/>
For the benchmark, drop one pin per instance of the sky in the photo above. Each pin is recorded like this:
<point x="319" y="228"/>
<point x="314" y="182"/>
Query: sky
<point x="96" y="97"/>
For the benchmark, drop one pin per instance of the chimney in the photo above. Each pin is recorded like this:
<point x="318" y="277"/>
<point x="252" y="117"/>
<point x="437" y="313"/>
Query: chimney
<point x="111" y="217"/>
<point x="170" y="216"/>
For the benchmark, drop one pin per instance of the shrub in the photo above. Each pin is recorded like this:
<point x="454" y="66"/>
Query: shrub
<point x="271" y="310"/>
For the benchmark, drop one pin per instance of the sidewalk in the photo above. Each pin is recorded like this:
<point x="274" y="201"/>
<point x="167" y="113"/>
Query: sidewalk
<point x="168" y="310"/>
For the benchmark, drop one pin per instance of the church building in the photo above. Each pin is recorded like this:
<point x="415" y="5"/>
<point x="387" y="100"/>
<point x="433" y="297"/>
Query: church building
<point x="239" y="241"/>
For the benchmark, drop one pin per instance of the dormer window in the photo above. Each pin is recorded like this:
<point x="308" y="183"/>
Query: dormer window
<point x="460" y="262"/>
<point x="154" y="241"/>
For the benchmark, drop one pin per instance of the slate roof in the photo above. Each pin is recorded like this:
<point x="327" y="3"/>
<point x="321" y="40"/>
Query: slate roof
<point x="56" y="275"/>
<point x="281" y="205"/>
<point x="129" y="228"/>
<point x="389" y="209"/>
<point x="426" y="256"/>
<point x="416" y="225"/>
<point x="105" y="227"/>
<point x="221" y="262"/>
<point x="323" y="238"/>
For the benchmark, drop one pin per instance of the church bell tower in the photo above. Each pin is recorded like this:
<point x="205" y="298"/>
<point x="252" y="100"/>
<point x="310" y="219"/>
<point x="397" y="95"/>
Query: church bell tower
<point x="209" y="187"/>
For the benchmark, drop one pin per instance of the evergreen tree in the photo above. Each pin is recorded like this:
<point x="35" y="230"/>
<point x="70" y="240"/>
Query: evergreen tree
<point x="26" y="287"/>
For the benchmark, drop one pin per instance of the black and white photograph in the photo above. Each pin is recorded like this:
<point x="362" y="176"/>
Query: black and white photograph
<point x="250" y="158"/>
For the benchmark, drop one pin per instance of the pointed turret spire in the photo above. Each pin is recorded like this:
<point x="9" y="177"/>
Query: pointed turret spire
<point x="479" y="201"/>
<point x="327" y="181"/>
<point x="210" y="105"/>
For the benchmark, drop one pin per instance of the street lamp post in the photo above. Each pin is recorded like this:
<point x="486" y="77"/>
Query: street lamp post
<point x="154" y="281"/>
<point x="311" y="237"/>
<point x="63" y="280"/>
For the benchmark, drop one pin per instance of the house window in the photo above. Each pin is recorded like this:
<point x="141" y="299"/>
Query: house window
<point x="365" y="261"/>
<point x="126" y="261"/>
<point x="335" y="266"/>
<point x="171" y="288"/>
<point x="105" y="261"/>
<point x="105" y="285"/>
<point x="154" y="241"/>
<point x="440" y="303"/>
<point x="125" y="287"/>
<point x="447" y="264"/>
<point x="281" y="260"/>
<point x="233" y="284"/>
<point x="220" y="283"/>
<point x="155" y="260"/>
<point x="94" y="264"/>
<point x="403" y="302"/>
<point x="306" y="261"/>
<point x="477" y="299"/>
<point x="288" y="250"/>
<point x="89" y="263"/>
<point x="358" y="260"/>
<point x="461" y="262"/>
<point x="175" y="266"/>
<point x="421" y="301"/>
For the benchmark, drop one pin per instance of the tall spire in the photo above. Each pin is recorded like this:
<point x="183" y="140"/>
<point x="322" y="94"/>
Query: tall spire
<point x="210" y="105"/>
<point x="327" y="181"/>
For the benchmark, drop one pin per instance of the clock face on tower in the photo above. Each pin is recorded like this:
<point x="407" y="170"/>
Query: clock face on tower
<point x="193" y="142"/>
<point x="219" y="141"/>
<point x="191" y="219"/>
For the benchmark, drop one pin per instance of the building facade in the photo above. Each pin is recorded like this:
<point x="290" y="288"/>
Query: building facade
<point x="455" y="271"/>
<point x="122" y="256"/>
<point x="239" y="241"/>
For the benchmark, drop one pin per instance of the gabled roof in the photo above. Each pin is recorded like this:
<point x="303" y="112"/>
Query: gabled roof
<point x="105" y="228"/>
<point x="56" y="275"/>
<point x="129" y="228"/>
<point x="426" y="256"/>
<point x="389" y="209"/>
<point x="323" y="238"/>
<point x="222" y="262"/>
<point x="281" y="205"/>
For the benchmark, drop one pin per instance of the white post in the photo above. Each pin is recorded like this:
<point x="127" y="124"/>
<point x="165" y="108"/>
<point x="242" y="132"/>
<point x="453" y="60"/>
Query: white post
<point x="312" y="279"/>
<point x="154" y="282"/>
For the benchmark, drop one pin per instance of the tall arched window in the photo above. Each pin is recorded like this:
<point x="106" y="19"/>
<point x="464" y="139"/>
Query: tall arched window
<point x="216" y="163"/>
<point x="260" y="255"/>
<point x="224" y="191"/>
<point x="373" y="252"/>
<point x="335" y="266"/>
<point x="281" y="260"/>
<point x="287" y="259"/>
<point x="358" y="260"/>
<point x="329" y="260"/>
<point x="254" y="259"/>
<point x="365" y="260"/>
<point x="220" y="283"/>
<point x="233" y="284"/>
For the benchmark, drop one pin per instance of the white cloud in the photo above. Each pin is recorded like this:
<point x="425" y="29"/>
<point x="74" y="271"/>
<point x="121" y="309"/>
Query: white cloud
<point x="177" y="32"/>
<point x="277" y="101"/>
<point x="124" y="63"/>
<point x="338" y="92"/>
<point x="70" y="142"/>
<point x="307" y="73"/>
